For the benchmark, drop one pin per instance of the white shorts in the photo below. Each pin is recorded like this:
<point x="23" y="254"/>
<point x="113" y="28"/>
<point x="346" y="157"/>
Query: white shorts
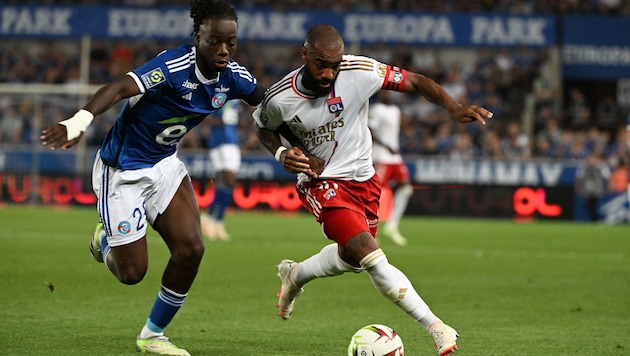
<point x="126" y="200"/>
<point x="225" y="158"/>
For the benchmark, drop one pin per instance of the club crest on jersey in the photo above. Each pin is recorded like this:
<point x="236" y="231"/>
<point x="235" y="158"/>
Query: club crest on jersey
<point x="218" y="100"/>
<point x="124" y="227"/>
<point x="153" y="78"/>
<point x="335" y="106"/>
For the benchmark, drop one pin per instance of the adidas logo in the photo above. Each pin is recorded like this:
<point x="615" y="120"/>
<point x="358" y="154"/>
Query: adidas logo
<point x="296" y="120"/>
<point x="187" y="96"/>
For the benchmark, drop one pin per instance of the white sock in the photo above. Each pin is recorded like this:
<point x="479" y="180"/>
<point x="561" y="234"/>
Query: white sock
<point x="326" y="263"/>
<point x="396" y="287"/>
<point x="146" y="334"/>
<point x="400" y="201"/>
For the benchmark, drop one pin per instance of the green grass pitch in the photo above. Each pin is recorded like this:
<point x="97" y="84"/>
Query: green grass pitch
<point x="509" y="288"/>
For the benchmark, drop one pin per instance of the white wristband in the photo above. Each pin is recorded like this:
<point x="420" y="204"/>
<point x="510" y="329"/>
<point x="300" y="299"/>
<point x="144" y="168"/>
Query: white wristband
<point x="77" y="124"/>
<point x="279" y="152"/>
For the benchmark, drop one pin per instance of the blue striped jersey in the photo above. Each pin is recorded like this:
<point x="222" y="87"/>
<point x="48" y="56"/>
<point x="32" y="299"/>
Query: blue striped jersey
<point x="174" y="98"/>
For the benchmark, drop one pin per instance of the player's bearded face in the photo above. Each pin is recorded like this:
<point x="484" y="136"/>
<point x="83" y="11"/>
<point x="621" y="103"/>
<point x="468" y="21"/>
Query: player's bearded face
<point x="322" y="68"/>
<point x="320" y="86"/>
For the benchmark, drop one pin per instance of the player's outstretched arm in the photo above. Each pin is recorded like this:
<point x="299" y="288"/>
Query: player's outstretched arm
<point x="418" y="83"/>
<point x="68" y="132"/>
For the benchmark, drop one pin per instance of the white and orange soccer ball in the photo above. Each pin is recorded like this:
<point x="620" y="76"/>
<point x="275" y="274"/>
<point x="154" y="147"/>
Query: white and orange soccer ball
<point x="376" y="340"/>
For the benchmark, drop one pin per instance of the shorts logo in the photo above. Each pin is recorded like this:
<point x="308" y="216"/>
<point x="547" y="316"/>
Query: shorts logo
<point x="153" y="78"/>
<point x="124" y="227"/>
<point x="330" y="193"/>
<point x="218" y="100"/>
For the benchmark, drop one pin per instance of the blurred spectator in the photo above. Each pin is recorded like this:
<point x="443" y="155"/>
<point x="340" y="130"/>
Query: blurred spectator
<point x="491" y="145"/>
<point x="463" y="148"/>
<point x="515" y="144"/>
<point x="11" y="125"/>
<point x="551" y="133"/>
<point x="592" y="182"/>
<point x="543" y="148"/>
<point x="576" y="148"/>
<point x="576" y="103"/>
<point x="608" y="114"/>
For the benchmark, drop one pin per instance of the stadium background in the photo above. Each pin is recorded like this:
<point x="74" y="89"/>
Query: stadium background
<point x="533" y="63"/>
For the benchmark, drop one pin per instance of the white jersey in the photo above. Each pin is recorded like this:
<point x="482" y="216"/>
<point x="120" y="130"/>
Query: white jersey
<point x="333" y="127"/>
<point x="384" y="121"/>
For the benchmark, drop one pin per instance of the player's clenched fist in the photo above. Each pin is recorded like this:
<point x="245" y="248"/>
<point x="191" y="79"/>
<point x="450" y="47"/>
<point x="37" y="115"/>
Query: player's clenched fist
<point x="295" y="161"/>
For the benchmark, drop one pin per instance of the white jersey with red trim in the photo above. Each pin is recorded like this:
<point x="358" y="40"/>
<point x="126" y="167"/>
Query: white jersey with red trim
<point x="333" y="127"/>
<point x="384" y="121"/>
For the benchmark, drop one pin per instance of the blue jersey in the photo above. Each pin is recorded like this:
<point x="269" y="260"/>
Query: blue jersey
<point x="175" y="98"/>
<point x="227" y="132"/>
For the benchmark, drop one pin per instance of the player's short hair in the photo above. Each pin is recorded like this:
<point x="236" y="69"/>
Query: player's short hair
<point x="324" y="37"/>
<point x="201" y="10"/>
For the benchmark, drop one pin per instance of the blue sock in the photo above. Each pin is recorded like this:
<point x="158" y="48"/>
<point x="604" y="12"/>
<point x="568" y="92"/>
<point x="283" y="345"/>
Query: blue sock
<point x="104" y="247"/>
<point x="223" y="197"/>
<point x="164" y="309"/>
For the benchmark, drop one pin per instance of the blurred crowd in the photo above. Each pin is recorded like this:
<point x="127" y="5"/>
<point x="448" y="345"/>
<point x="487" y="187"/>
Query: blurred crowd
<point x="565" y="124"/>
<point x="519" y="7"/>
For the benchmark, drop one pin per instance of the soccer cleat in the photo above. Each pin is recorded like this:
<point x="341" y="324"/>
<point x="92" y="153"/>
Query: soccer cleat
<point x="288" y="290"/>
<point x="445" y="338"/>
<point x="208" y="227"/>
<point x="395" y="236"/>
<point x="159" y="345"/>
<point x="222" y="234"/>
<point x="95" y="243"/>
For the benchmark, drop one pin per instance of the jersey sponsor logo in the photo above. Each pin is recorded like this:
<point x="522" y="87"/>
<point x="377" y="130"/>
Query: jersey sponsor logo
<point x="189" y="85"/>
<point x="335" y="106"/>
<point x="124" y="227"/>
<point x="179" y="119"/>
<point x="222" y="89"/>
<point x="153" y="78"/>
<point x="218" y="100"/>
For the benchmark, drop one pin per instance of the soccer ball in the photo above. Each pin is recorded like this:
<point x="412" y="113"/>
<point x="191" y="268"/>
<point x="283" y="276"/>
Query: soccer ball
<point x="376" y="340"/>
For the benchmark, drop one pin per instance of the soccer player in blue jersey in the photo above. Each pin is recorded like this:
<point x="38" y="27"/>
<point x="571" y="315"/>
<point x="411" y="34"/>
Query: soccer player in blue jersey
<point x="137" y="176"/>
<point x="225" y="157"/>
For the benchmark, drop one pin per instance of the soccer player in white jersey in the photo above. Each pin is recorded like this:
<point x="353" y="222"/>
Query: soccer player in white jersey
<point x="384" y="122"/>
<point x="137" y="176"/>
<point x="322" y="109"/>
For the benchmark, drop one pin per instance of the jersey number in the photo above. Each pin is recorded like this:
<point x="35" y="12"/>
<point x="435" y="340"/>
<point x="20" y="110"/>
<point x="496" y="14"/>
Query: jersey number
<point x="171" y="135"/>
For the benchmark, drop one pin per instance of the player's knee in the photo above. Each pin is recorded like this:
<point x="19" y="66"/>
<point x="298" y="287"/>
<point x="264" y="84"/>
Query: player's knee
<point x="131" y="275"/>
<point x="189" y="254"/>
